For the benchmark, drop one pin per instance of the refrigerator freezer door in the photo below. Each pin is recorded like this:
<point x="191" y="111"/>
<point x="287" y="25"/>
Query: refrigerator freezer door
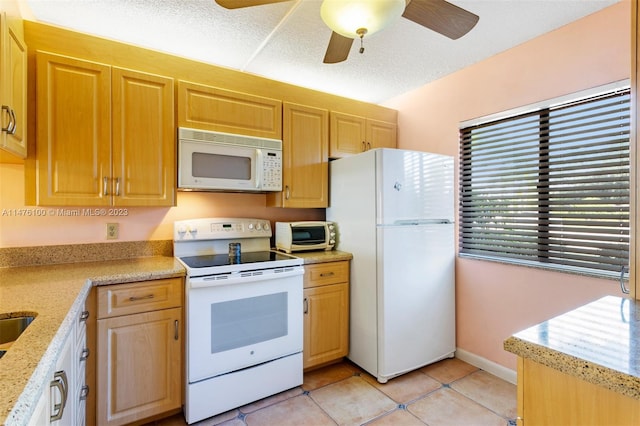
<point x="413" y="185"/>
<point x="416" y="297"/>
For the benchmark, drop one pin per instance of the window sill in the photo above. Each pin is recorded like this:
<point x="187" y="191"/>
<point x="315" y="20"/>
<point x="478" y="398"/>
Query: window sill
<point x="613" y="276"/>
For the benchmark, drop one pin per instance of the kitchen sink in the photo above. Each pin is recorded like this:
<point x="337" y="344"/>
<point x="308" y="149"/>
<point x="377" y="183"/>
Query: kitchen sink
<point x="11" y="329"/>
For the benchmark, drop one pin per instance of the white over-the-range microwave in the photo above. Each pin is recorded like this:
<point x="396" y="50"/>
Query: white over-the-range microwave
<point x="215" y="161"/>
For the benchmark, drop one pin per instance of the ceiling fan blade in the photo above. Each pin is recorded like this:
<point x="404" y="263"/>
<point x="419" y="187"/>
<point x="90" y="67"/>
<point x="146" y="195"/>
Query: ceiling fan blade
<point x="237" y="4"/>
<point x="441" y="16"/>
<point x="338" y="49"/>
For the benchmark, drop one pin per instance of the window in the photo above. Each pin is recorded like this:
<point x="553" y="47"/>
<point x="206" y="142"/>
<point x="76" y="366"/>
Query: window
<point x="550" y="187"/>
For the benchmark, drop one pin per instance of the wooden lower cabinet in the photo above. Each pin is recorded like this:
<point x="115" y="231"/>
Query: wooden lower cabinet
<point x="326" y="313"/>
<point x="139" y="359"/>
<point x="549" y="397"/>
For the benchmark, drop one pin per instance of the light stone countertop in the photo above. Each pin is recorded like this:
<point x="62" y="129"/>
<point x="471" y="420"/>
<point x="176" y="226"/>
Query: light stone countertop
<point x="56" y="294"/>
<point x="598" y="342"/>
<point x="322" y="256"/>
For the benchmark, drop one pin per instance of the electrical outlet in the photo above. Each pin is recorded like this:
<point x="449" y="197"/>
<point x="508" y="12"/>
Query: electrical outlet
<point x="112" y="231"/>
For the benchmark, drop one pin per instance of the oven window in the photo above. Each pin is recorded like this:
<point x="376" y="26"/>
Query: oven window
<point x="243" y="322"/>
<point x="220" y="166"/>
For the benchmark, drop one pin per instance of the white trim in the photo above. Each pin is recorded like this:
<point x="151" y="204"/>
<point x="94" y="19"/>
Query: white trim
<point x="548" y="103"/>
<point x="487" y="365"/>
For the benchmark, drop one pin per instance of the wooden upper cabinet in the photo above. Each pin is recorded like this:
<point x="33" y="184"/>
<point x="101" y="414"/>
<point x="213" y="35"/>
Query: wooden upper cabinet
<point x="13" y="86"/>
<point x="73" y="133"/>
<point x="104" y="135"/>
<point x="211" y="108"/>
<point x="143" y="139"/>
<point x="352" y="134"/>
<point x="348" y="134"/>
<point x="381" y="134"/>
<point x="305" y="174"/>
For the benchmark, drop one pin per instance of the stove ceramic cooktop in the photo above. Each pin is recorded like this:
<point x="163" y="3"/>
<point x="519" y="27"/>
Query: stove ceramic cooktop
<point x="208" y="261"/>
<point x="223" y="263"/>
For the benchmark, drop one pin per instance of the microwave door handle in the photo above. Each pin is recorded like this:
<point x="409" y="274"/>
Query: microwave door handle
<point x="258" y="166"/>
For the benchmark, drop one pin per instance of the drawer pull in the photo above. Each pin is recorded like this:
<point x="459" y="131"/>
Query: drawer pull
<point x="84" y="316"/>
<point x="85" y="354"/>
<point x="61" y="383"/>
<point x="327" y="274"/>
<point x="176" y="330"/>
<point x="84" y="392"/>
<point x="136" y="298"/>
<point x="306" y="305"/>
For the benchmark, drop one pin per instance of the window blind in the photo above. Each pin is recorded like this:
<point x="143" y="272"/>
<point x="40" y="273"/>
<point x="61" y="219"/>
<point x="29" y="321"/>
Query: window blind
<point x="549" y="187"/>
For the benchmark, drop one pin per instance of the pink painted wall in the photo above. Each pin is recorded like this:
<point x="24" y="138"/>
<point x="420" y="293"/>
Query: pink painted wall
<point x="22" y="226"/>
<point x="495" y="300"/>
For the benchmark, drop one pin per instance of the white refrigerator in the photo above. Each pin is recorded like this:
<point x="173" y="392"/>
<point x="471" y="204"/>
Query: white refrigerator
<point x="394" y="212"/>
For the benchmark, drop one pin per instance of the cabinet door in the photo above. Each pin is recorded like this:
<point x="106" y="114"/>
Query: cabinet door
<point x="143" y="139"/>
<point x="211" y="108"/>
<point x="547" y="396"/>
<point x="40" y="415"/>
<point x="139" y="366"/>
<point x="73" y="141"/>
<point x="347" y="135"/>
<point x="326" y="324"/>
<point x="13" y="85"/>
<point x="381" y="134"/>
<point x="305" y="175"/>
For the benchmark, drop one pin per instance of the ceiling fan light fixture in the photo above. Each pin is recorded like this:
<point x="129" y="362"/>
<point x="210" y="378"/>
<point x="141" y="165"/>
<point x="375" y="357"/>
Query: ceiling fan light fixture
<point x="347" y="17"/>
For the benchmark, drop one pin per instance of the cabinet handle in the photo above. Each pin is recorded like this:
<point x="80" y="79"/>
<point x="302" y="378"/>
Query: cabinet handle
<point x="368" y="146"/>
<point x="136" y="298"/>
<point x="60" y="382"/>
<point x="10" y="127"/>
<point x="326" y="274"/>
<point x="287" y="192"/>
<point x="84" y="316"/>
<point x="84" y="392"/>
<point x="105" y="185"/>
<point x="117" y="187"/>
<point x="364" y="146"/>
<point x="85" y="354"/>
<point x="176" y="330"/>
<point x="306" y="305"/>
<point x="14" y="121"/>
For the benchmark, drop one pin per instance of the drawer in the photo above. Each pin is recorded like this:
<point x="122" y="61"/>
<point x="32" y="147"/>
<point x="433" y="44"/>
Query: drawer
<point x="145" y="296"/>
<point x="326" y="273"/>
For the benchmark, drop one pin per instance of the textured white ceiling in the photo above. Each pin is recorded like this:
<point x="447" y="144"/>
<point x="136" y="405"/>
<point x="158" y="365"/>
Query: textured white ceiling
<point x="287" y="41"/>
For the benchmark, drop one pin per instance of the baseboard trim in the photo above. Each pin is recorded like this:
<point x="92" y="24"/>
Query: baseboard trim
<point x="489" y="366"/>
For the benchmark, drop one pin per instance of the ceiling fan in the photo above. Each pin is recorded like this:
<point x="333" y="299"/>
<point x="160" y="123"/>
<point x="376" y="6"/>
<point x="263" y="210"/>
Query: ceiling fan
<point x="342" y="17"/>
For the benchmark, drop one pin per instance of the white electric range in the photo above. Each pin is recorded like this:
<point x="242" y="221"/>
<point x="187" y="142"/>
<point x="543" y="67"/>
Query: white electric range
<point x="244" y="314"/>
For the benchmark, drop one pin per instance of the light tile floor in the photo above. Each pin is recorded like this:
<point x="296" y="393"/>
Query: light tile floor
<point x="450" y="392"/>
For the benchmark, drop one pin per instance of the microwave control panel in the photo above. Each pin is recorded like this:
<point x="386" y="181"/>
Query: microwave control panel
<point x="272" y="171"/>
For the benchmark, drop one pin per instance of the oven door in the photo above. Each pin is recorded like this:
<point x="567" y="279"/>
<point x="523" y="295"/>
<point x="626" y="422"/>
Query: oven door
<point x="212" y="166"/>
<point x="234" y="326"/>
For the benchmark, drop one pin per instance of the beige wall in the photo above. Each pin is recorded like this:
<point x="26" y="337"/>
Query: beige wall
<point x="496" y="300"/>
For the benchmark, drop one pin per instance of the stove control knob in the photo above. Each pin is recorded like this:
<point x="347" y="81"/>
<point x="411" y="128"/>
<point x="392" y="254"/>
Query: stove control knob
<point x="266" y="226"/>
<point x="251" y="226"/>
<point x="181" y="231"/>
<point x="258" y="226"/>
